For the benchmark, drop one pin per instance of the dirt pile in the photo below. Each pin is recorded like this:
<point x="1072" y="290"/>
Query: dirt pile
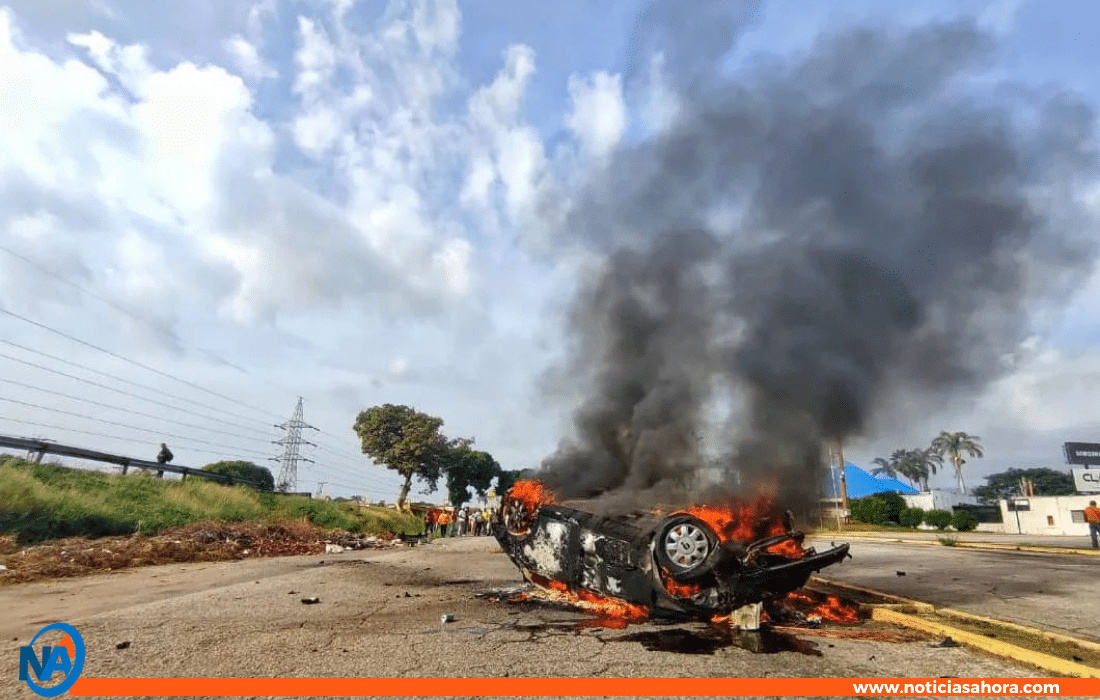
<point x="197" y="542"/>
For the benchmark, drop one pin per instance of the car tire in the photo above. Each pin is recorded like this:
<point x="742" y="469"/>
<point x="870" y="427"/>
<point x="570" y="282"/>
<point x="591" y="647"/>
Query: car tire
<point x="685" y="547"/>
<point x="516" y="519"/>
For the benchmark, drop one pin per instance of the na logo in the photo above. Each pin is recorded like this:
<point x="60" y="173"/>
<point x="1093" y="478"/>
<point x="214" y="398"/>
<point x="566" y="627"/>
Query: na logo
<point x="66" y="657"/>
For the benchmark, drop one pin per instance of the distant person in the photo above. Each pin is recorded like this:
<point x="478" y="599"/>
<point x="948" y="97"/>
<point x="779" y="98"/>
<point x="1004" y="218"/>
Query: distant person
<point x="165" y="455"/>
<point x="1092" y="517"/>
<point x="462" y="522"/>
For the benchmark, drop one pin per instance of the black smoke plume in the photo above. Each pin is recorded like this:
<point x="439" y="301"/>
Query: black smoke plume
<point x="807" y="243"/>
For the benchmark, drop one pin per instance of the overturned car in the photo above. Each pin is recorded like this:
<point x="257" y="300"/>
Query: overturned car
<point x="702" y="562"/>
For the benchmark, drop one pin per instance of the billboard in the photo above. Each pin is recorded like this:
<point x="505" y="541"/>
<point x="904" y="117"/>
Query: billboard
<point x="1083" y="452"/>
<point x="1086" y="480"/>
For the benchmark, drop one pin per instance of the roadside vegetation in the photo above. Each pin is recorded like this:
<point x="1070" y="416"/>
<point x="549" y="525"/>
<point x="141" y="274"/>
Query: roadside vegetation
<point x="889" y="511"/>
<point x="40" y="502"/>
<point x="59" y="522"/>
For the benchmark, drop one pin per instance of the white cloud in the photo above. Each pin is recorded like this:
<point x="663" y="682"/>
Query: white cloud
<point x="316" y="57"/>
<point x="129" y="64"/>
<point x="508" y="151"/>
<point x="248" y="59"/>
<point x="660" y="103"/>
<point x="181" y="150"/>
<point x="599" y="117"/>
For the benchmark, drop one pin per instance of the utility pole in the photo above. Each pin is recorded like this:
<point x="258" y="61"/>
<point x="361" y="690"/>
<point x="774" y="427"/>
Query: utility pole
<point x="838" y="454"/>
<point x="288" y="473"/>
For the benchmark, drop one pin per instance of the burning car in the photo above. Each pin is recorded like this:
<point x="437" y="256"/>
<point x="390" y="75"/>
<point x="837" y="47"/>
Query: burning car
<point x="702" y="562"/>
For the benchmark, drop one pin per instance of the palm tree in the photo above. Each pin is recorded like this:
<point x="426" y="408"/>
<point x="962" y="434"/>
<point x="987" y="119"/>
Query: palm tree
<point x="888" y="467"/>
<point x="918" y="465"/>
<point x="954" y="445"/>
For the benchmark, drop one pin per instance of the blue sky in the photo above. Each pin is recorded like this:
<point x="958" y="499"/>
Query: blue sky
<point x="355" y="218"/>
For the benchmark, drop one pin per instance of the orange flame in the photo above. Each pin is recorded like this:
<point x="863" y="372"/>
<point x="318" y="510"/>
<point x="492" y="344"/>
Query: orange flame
<point x="744" y="523"/>
<point x="836" y="610"/>
<point x="787" y="548"/>
<point x="586" y="600"/>
<point x="749" y="522"/>
<point x="531" y="494"/>
<point x="677" y="589"/>
<point x="828" y="608"/>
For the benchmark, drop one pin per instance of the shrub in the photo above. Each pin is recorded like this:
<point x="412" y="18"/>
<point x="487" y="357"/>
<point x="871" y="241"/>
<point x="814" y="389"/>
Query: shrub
<point x="964" y="521"/>
<point x="894" y="505"/>
<point x="938" y="519"/>
<point x="870" y="509"/>
<point x="244" y="470"/>
<point x="911" y="517"/>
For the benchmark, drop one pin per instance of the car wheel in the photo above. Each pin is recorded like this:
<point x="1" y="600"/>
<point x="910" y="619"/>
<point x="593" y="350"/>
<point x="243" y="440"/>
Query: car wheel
<point x="685" y="546"/>
<point x="517" y="518"/>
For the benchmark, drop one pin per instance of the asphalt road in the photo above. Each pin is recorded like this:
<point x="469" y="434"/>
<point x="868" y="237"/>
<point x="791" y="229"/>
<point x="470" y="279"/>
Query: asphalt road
<point x="380" y="616"/>
<point x="1043" y="590"/>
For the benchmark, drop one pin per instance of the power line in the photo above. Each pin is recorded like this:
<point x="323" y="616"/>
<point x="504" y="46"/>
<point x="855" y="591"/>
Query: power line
<point x="345" y="486"/>
<point x="95" y="434"/>
<point x="129" y="410"/>
<point x="131" y="361"/>
<point x="339" y="453"/>
<point x="370" y="478"/>
<point x="120" y="391"/>
<point x="126" y="425"/>
<point x="168" y="333"/>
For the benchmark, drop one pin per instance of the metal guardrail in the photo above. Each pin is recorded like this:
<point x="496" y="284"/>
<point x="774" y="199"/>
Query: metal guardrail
<point x="44" y="447"/>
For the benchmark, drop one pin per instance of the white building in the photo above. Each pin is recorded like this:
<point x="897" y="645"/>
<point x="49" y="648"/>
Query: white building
<point x="939" y="499"/>
<point x="1046" y="515"/>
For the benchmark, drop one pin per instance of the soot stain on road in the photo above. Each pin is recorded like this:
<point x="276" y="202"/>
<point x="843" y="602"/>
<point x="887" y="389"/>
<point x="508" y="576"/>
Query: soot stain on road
<point x="686" y="641"/>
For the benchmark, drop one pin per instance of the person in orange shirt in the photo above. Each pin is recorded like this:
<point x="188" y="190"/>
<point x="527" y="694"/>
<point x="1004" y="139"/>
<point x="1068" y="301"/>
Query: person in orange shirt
<point x="1092" y="517"/>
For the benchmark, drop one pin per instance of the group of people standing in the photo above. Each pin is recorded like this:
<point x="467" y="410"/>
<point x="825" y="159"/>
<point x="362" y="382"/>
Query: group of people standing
<point x="467" y="522"/>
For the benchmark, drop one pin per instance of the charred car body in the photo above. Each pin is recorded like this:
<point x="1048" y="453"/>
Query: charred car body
<point x="701" y="562"/>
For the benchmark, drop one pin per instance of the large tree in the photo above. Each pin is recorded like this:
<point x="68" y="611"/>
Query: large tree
<point x="955" y="445"/>
<point x="1048" y="482"/>
<point x="506" y="479"/>
<point x="406" y="441"/>
<point x="468" y="468"/>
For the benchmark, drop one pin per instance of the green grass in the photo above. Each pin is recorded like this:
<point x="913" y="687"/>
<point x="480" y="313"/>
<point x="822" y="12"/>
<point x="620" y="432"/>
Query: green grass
<point x="41" y="502"/>
<point x="857" y="527"/>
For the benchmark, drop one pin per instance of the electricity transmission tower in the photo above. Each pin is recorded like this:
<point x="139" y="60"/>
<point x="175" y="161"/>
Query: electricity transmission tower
<point x="288" y="473"/>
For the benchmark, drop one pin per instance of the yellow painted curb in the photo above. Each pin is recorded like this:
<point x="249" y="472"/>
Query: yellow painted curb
<point x="1046" y="662"/>
<point x="1045" y="634"/>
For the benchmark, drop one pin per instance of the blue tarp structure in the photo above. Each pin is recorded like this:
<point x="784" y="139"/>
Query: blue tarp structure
<point x="861" y="483"/>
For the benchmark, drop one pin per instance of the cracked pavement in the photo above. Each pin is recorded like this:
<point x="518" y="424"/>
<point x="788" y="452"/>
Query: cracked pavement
<point x="380" y="615"/>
